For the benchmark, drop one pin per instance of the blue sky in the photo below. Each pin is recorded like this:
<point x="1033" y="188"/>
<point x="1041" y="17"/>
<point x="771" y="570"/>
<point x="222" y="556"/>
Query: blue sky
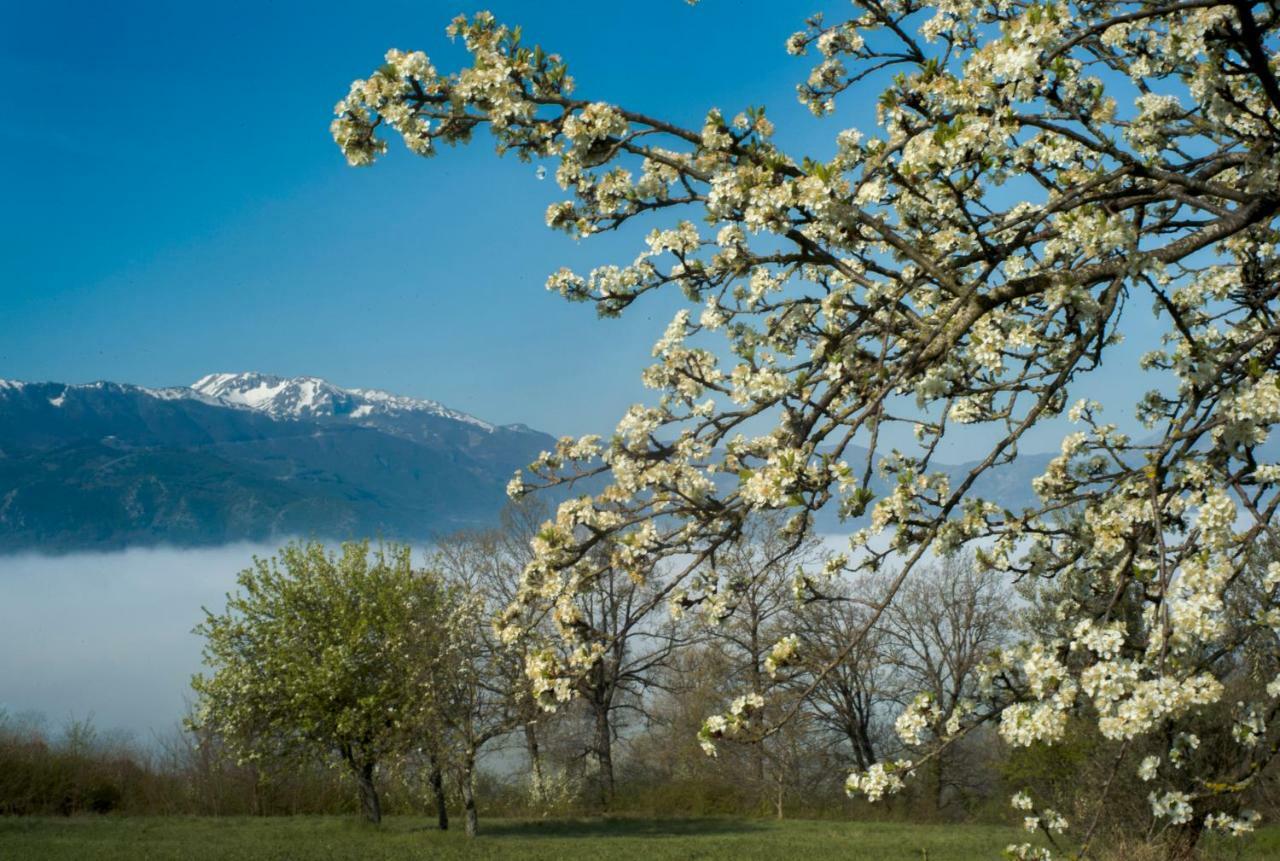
<point x="175" y="206"/>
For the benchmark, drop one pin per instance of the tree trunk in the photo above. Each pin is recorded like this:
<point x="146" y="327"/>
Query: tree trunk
<point x="867" y="751"/>
<point x="857" y="727"/>
<point x="757" y="687"/>
<point x="370" y="805"/>
<point x="535" y="762"/>
<point x="469" y="793"/>
<point x="939" y="785"/>
<point x="757" y="763"/>
<point x="255" y="801"/>
<point x="437" y="790"/>
<point x="604" y="753"/>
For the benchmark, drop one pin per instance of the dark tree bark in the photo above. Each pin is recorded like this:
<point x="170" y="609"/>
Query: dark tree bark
<point x="864" y="748"/>
<point x="437" y="790"/>
<point x="256" y="803"/>
<point x="939" y="784"/>
<point x="370" y="804"/>
<point x="604" y="752"/>
<point x="857" y="728"/>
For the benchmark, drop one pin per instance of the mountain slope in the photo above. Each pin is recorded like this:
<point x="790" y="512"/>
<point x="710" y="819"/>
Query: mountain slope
<point x="109" y="465"/>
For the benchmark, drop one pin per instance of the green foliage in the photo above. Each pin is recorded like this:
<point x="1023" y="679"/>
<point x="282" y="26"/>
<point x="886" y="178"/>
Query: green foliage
<point x="316" y="656"/>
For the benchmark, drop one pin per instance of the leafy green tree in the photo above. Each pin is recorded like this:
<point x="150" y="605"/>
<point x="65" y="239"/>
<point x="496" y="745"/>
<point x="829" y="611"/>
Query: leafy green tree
<point x="313" y="657"/>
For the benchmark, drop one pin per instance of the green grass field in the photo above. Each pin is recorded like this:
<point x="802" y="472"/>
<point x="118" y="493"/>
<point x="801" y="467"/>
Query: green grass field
<point x="191" y="839"/>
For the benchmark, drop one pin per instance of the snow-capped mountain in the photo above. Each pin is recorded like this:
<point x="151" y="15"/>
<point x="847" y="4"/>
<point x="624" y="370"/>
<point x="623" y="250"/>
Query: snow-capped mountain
<point x="242" y="457"/>
<point x="312" y="397"/>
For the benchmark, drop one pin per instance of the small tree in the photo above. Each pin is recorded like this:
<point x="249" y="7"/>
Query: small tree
<point x="481" y="692"/>
<point x="487" y="564"/>
<point x="625" y="625"/>
<point x="753" y="606"/>
<point x="620" y="613"/>
<point x="946" y="624"/>
<point x="312" y="658"/>
<point x="851" y="701"/>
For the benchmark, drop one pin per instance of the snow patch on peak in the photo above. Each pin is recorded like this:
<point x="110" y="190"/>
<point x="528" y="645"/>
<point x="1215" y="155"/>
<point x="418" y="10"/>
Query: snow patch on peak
<point x="297" y="397"/>
<point x="399" y="403"/>
<point x="255" y="391"/>
<point x="182" y="393"/>
<point x="212" y="381"/>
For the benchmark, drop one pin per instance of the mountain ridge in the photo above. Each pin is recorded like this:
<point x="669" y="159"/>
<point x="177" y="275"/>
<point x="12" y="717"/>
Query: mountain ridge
<point x="105" y="465"/>
<point x="297" y="397"/>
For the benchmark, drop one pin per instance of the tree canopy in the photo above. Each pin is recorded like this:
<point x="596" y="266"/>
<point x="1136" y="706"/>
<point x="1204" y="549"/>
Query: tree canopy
<point x="319" y="655"/>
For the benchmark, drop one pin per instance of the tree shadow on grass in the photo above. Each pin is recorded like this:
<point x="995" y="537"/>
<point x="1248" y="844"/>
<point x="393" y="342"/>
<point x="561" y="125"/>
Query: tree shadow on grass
<point x="619" y="827"/>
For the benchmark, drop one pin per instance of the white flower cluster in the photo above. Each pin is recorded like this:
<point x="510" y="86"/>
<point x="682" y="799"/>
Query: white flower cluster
<point x="879" y="780"/>
<point x="1235" y="826"/>
<point x="1173" y="805"/>
<point x="549" y="685"/>
<point x="735" y="722"/>
<point x="783" y="653"/>
<point x="914" y="721"/>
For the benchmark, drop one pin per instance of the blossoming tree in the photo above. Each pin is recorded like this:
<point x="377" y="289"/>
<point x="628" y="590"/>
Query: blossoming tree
<point x="1041" y="179"/>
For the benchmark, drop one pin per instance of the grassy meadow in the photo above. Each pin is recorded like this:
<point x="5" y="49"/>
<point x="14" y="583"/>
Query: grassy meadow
<point x="280" y="838"/>
<point x="315" y="838"/>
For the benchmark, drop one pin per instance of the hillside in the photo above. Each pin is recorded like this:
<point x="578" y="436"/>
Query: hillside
<point x="242" y="457"/>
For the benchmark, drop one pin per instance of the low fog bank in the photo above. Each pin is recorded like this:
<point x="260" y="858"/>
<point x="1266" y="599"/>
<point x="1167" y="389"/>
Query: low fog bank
<point x="108" y="635"/>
